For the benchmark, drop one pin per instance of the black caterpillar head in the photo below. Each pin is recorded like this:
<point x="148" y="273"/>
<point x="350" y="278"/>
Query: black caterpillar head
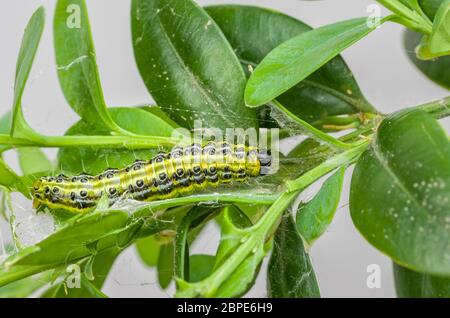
<point x="265" y="160"/>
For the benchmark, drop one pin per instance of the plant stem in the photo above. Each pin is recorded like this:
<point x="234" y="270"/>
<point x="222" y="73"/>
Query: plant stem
<point x="257" y="234"/>
<point x="314" y="131"/>
<point x="251" y="198"/>
<point x="128" y="142"/>
<point x="438" y="109"/>
<point x="410" y="17"/>
<point x="328" y="166"/>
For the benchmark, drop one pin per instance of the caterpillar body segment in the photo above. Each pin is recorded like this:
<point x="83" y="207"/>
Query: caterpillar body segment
<point x="179" y="172"/>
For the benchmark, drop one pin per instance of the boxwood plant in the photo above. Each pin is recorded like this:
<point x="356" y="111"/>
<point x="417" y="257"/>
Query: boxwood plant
<point x="238" y="66"/>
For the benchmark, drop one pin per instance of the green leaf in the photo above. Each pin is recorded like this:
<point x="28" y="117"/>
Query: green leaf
<point x="28" y="48"/>
<point x="435" y="69"/>
<point x="400" y="192"/>
<point x="189" y="221"/>
<point x="77" y="66"/>
<point x="87" y="290"/>
<point x="430" y="7"/>
<point x="11" y="181"/>
<point x="232" y="222"/>
<point x="187" y="64"/>
<point x="331" y="90"/>
<point x="243" y="278"/>
<point x="314" y="217"/>
<point x="25" y="287"/>
<point x="412" y="4"/>
<point x="5" y="202"/>
<point x="166" y="265"/>
<point x="290" y="273"/>
<point x="296" y="59"/>
<point x="440" y="36"/>
<point x="240" y="280"/>
<point x="90" y="160"/>
<point x="33" y="160"/>
<point x="5" y="128"/>
<point x="8" y="178"/>
<point x="82" y="236"/>
<point x="101" y="265"/>
<point x="410" y="284"/>
<point x="148" y="249"/>
<point x="200" y="267"/>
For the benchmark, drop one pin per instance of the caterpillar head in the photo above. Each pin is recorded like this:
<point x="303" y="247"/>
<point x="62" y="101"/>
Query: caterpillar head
<point x="265" y="160"/>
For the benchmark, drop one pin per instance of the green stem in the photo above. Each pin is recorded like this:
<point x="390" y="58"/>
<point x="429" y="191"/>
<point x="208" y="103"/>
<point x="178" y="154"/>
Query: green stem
<point x="314" y="131"/>
<point x="257" y="234"/>
<point x="438" y="109"/>
<point x="251" y="198"/>
<point x="411" y="24"/>
<point x="327" y="166"/>
<point x="416" y="19"/>
<point x="128" y="142"/>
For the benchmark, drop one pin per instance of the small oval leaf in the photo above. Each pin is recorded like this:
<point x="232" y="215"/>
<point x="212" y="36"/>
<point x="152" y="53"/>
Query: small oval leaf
<point x="294" y="60"/>
<point x="314" y="217"/>
<point x="165" y="265"/>
<point x="331" y="90"/>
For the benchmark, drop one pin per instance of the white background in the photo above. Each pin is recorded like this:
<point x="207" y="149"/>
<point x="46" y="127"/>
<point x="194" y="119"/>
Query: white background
<point x="385" y="75"/>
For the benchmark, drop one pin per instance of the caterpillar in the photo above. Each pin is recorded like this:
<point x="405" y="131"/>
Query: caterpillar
<point x="167" y="175"/>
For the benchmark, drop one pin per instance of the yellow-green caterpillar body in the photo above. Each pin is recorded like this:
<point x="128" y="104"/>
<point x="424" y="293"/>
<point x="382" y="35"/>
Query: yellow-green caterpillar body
<point x="168" y="175"/>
